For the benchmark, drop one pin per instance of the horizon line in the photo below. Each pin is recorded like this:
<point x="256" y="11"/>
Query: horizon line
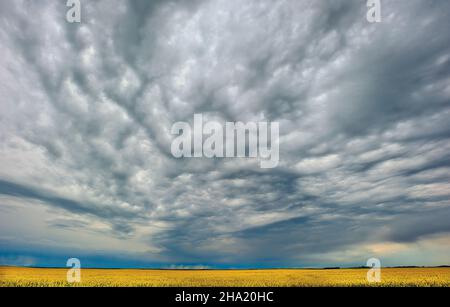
<point x="228" y="269"/>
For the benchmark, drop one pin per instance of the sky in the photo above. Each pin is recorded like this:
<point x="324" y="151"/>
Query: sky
<point x="86" y="111"/>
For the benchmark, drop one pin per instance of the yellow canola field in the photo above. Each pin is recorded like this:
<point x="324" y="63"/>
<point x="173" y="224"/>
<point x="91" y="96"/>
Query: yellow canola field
<point x="409" y="277"/>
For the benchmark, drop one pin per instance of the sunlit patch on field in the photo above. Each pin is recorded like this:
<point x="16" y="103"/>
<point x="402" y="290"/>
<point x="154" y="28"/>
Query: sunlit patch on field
<point x="34" y="277"/>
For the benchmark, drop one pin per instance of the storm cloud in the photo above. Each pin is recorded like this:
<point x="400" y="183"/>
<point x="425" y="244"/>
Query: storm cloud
<point x="87" y="108"/>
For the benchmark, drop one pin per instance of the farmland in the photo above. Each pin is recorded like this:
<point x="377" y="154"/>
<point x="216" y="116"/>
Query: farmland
<point x="403" y="277"/>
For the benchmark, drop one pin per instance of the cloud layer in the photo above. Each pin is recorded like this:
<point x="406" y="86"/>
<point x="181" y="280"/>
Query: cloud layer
<point x="86" y="113"/>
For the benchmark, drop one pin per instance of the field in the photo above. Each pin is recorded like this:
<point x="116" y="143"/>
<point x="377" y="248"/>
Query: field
<point x="34" y="277"/>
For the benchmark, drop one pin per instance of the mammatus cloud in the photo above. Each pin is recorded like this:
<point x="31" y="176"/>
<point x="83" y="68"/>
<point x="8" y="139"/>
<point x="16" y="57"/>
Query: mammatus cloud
<point x="87" y="109"/>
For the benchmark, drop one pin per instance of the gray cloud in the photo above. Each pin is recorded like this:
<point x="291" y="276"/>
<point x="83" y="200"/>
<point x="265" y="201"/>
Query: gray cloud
<point x="363" y="108"/>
